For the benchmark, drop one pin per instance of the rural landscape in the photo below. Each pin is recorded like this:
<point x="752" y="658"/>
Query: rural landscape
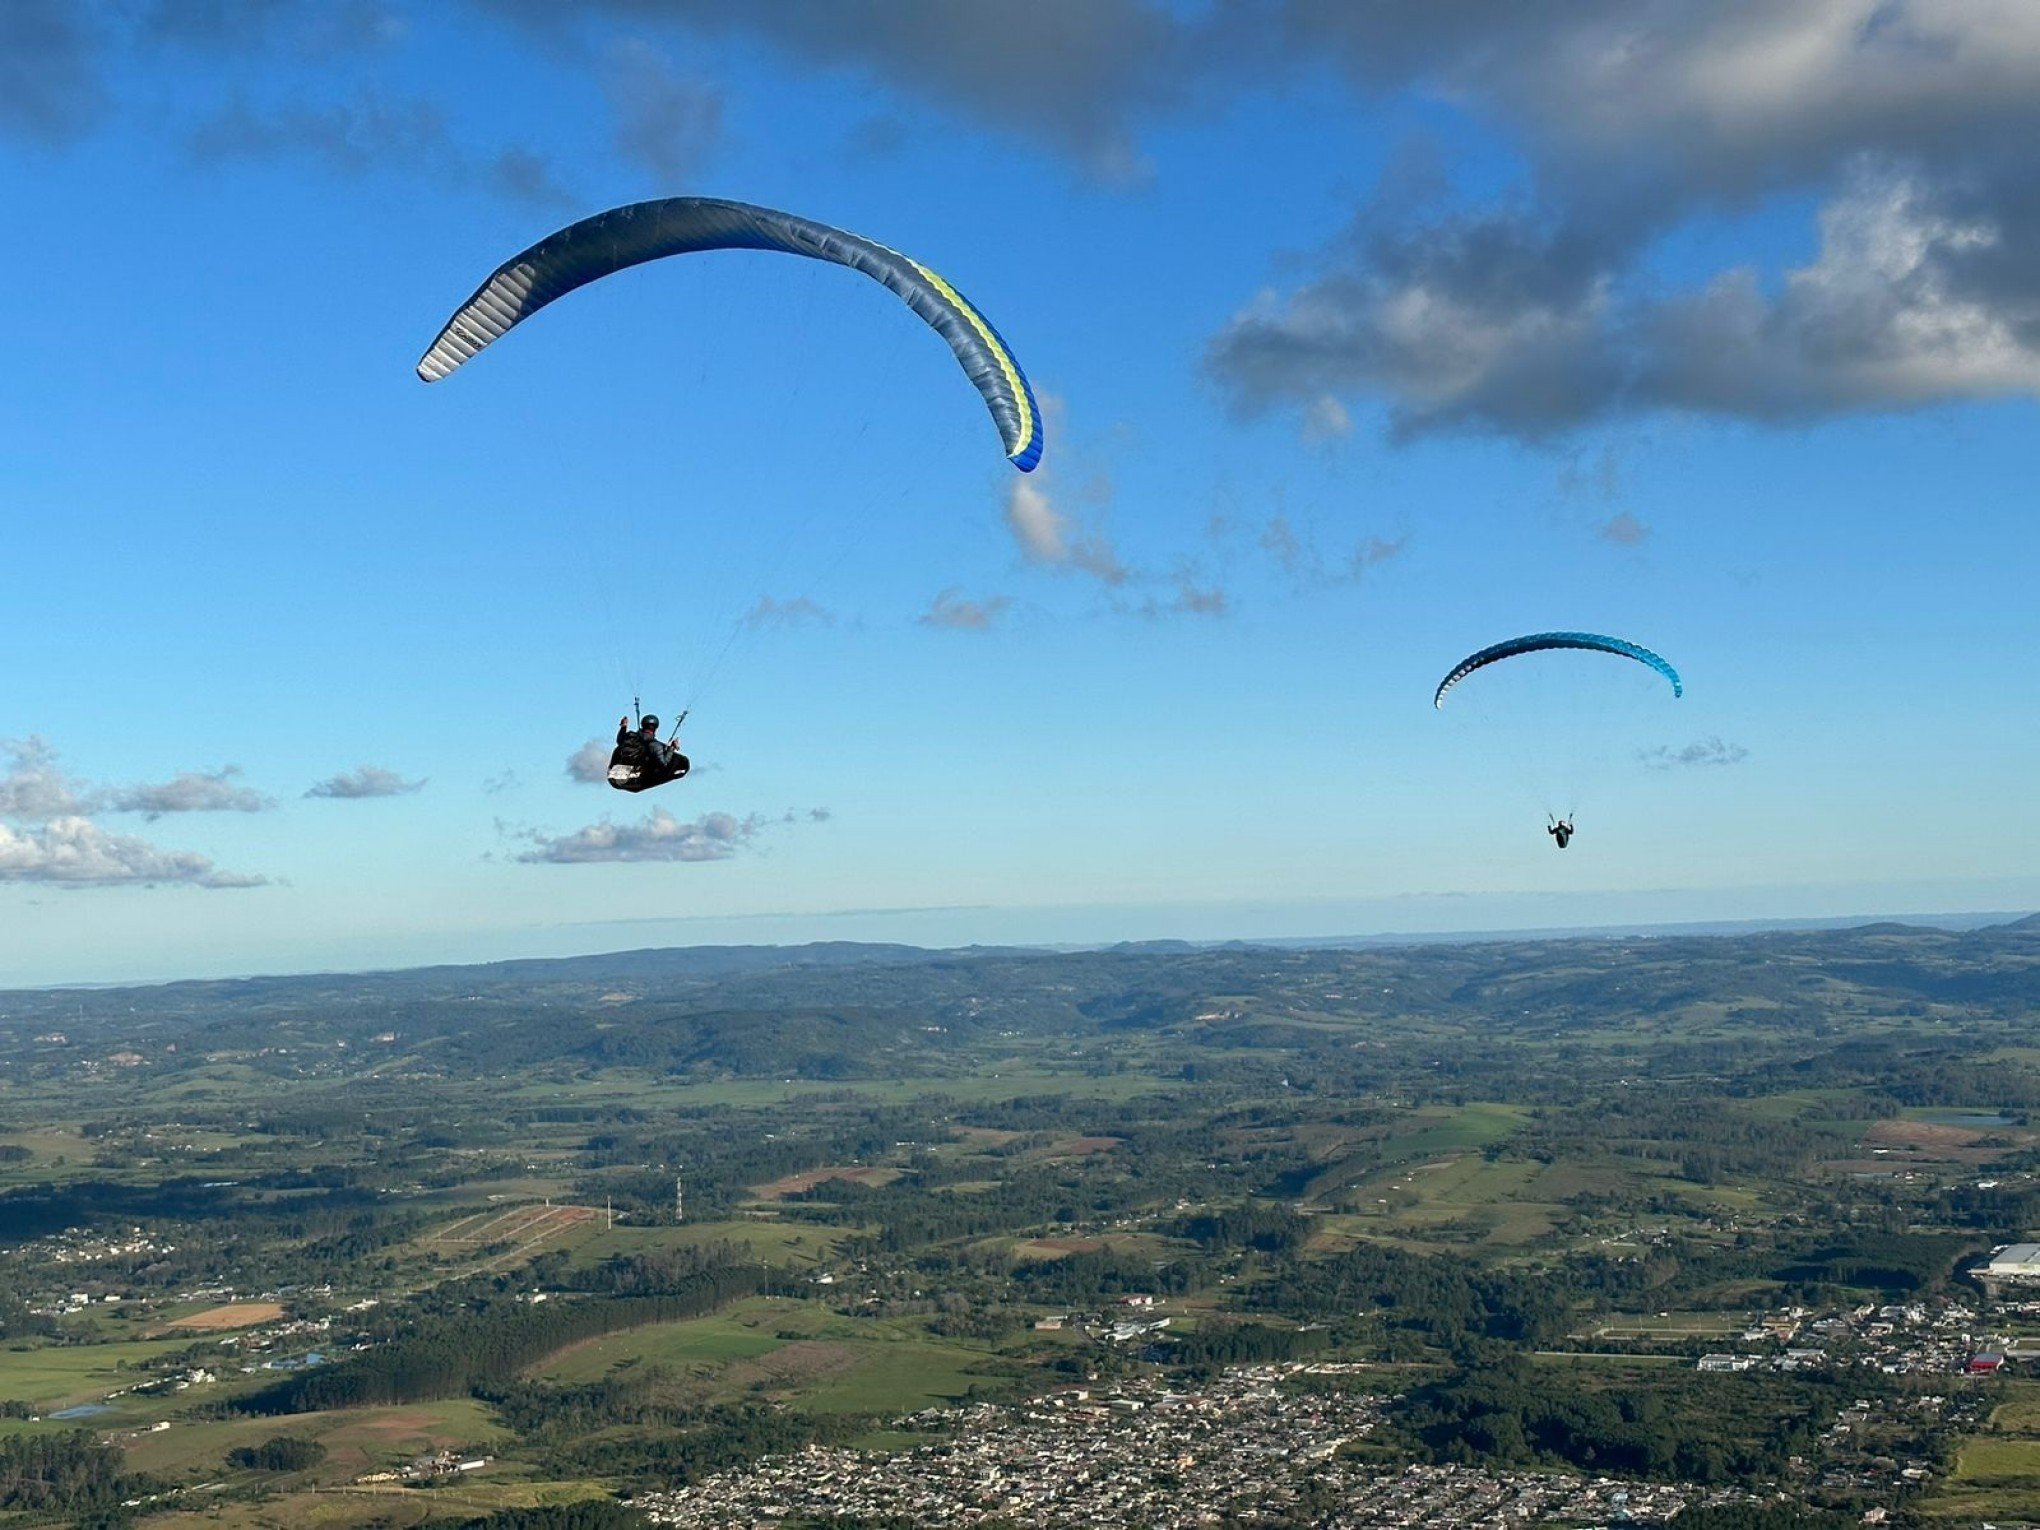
<point x="940" y="765"/>
<point x="1671" y="1229"/>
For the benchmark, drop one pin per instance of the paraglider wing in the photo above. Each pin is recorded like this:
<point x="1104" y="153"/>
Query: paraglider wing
<point x="627" y="236"/>
<point x="1538" y="641"/>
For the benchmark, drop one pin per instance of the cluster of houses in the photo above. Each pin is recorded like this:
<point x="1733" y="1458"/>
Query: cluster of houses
<point x="1255" y="1444"/>
<point x="75" y="1245"/>
<point x="1916" y="1338"/>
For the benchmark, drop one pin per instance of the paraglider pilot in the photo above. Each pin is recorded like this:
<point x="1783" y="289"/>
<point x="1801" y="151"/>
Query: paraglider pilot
<point x="1560" y="829"/>
<point x="642" y="759"/>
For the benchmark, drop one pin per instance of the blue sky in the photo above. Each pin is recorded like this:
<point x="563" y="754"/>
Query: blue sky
<point x="1370" y="335"/>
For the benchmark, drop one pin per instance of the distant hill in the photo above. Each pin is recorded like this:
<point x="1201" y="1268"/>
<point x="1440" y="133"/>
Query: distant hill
<point x="611" y="966"/>
<point x="839" y="1010"/>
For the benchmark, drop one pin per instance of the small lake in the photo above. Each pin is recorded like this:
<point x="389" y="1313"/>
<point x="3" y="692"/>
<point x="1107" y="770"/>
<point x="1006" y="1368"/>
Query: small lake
<point x="83" y="1410"/>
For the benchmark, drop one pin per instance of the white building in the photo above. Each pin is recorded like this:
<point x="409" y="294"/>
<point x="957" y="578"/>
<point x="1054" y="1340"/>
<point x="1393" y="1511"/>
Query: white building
<point x="2020" y="1261"/>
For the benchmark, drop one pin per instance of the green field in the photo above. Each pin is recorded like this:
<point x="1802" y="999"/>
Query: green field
<point x="1995" y="1460"/>
<point x="741" y="1332"/>
<point x="62" y="1376"/>
<point x="357" y="1440"/>
<point x="791" y="1351"/>
<point x="773" y="1241"/>
<point x="385" y="1506"/>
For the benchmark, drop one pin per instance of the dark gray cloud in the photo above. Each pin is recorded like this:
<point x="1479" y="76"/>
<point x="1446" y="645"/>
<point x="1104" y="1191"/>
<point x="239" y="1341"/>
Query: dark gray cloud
<point x="659" y="837"/>
<point x="314" y="30"/>
<point x="1490" y="321"/>
<point x="1280" y="541"/>
<point x="1704" y="751"/>
<point x="51" y="89"/>
<point x="1890" y="314"/>
<point x="373" y="134"/>
<point x="1592" y="475"/>
<point x="1907" y="121"/>
<point x="1617" y="101"/>
<point x="1376" y="550"/>
<point x="1624" y="530"/>
<point x="1538" y="316"/>
<point x="797" y="612"/>
<point x="1484" y="323"/>
<point x="666" y="122"/>
<point x="351" y="139"/>
<point x="880" y="137"/>
<point x="214" y="24"/>
<point x="521" y="175"/>
<point x="194" y="791"/>
<point x="56" y="55"/>
<point x="1072" y="74"/>
<point x="1307" y="565"/>
<point x="1190" y="599"/>
<point x="949" y="609"/>
<point x="76" y="852"/>
<point x="364" y="781"/>
<point x="1673" y="103"/>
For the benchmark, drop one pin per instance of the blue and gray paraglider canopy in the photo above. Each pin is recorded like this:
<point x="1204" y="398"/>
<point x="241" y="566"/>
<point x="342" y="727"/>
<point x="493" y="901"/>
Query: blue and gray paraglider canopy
<point x="629" y="236"/>
<point x="1548" y="738"/>
<point x="1538" y="642"/>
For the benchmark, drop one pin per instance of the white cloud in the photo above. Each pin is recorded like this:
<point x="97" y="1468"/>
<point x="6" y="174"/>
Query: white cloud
<point x="590" y="763"/>
<point x="76" y="852"/>
<point x="1326" y="420"/>
<point x="364" y="781"/>
<point x="1879" y="319"/>
<point x="1051" y="539"/>
<point x="194" y="791"/>
<point x="51" y="838"/>
<point x="34" y="789"/>
<point x="659" y="837"/>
